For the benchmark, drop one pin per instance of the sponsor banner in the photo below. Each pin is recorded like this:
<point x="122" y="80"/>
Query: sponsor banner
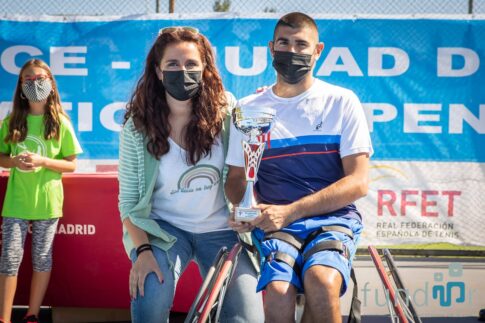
<point x="436" y="288"/>
<point x="90" y="265"/>
<point x="421" y="80"/>
<point x="424" y="202"/>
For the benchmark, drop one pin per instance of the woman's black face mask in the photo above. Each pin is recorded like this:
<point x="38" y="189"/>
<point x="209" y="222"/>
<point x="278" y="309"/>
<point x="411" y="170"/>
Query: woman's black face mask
<point x="182" y="85"/>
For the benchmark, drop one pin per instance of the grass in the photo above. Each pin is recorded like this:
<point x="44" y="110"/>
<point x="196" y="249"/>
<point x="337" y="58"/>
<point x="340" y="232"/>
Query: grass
<point x="430" y="246"/>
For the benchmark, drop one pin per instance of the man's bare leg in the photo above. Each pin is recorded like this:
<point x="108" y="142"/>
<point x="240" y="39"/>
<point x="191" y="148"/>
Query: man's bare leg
<point x="322" y="295"/>
<point x="279" y="302"/>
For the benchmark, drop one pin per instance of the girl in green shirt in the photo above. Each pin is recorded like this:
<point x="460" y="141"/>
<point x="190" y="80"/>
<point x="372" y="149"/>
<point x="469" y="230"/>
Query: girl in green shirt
<point x="38" y="144"/>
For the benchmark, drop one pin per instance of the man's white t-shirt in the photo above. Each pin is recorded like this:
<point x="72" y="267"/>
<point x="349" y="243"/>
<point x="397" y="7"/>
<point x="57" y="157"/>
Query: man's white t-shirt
<point x="312" y="132"/>
<point x="190" y="197"/>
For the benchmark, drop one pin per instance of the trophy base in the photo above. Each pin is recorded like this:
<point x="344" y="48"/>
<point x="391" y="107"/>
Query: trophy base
<point x="246" y="214"/>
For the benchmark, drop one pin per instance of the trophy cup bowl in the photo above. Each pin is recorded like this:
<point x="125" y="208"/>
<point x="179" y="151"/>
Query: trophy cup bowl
<point x="252" y="121"/>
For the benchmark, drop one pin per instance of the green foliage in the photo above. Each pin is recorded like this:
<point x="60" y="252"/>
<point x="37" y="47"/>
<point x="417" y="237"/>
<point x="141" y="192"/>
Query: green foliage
<point x="222" y="5"/>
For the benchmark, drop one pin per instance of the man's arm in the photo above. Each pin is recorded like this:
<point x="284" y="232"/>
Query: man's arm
<point x="339" y="194"/>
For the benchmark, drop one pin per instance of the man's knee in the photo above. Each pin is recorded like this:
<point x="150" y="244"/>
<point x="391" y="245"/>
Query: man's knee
<point x="323" y="279"/>
<point x="280" y="290"/>
<point x="279" y="301"/>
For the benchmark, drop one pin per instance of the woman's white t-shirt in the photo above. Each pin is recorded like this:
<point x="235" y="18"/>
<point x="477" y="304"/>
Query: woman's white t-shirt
<point x="190" y="197"/>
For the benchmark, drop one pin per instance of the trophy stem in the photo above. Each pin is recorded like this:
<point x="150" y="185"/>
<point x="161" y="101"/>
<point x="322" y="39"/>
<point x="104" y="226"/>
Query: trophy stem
<point x="248" y="198"/>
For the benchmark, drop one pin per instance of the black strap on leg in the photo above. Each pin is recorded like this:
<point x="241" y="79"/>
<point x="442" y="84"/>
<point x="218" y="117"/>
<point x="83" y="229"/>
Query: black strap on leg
<point x="340" y="229"/>
<point x="284" y="257"/>
<point x="299" y="245"/>
<point x="329" y="228"/>
<point x="280" y="256"/>
<point x="290" y="239"/>
<point x="354" y="314"/>
<point x="334" y="245"/>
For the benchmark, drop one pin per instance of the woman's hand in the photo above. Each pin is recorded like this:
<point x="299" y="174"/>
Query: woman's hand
<point x="144" y="265"/>
<point x="239" y="227"/>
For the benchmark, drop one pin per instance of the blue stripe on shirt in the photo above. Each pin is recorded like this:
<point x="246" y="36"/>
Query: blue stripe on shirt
<point x="305" y="140"/>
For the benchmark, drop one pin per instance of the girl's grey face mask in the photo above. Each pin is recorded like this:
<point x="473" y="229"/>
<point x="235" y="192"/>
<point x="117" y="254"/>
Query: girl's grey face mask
<point x="37" y="90"/>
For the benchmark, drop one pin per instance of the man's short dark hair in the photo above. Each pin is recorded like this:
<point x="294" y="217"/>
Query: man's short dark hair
<point x="295" y="20"/>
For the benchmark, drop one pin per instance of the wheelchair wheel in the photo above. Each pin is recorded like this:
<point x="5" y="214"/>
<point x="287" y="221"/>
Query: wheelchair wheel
<point x="206" y="286"/>
<point x="400" y="286"/>
<point x="401" y="308"/>
<point x="208" y="303"/>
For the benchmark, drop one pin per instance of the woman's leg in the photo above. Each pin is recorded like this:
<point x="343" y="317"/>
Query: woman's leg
<point x="43" y="233"/>
<point x="13" y="239"/>
<point x="241" y="303"/>
<point x="155" y="305"/>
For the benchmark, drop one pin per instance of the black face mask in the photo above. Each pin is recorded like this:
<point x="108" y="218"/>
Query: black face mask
<point x="291" y="66"/>
<point x="182" y="85"/>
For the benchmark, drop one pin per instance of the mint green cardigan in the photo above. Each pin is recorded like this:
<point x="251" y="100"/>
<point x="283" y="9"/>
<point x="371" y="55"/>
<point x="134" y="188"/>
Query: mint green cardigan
<point x="137" y="174"/>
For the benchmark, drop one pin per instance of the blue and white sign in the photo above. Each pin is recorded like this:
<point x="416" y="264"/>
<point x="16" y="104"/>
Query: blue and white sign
<point x="422" y="81"/>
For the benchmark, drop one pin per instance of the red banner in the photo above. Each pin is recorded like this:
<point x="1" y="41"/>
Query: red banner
<point x="90" y="265"/>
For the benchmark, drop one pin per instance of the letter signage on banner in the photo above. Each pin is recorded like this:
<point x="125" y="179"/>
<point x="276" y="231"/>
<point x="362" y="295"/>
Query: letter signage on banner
<point x="420" y="81"/>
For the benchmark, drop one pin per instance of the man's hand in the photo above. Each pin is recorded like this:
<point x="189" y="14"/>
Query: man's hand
<point x="239" y="227"/>
<point x="274" y="217"/>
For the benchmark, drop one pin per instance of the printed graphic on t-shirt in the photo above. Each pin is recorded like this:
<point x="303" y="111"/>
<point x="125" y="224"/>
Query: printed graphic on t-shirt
<point x="31" y="144"/>
<point x="198" y="178"/>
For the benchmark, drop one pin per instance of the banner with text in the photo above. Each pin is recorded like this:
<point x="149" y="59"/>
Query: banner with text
<point x="421" y="82"/>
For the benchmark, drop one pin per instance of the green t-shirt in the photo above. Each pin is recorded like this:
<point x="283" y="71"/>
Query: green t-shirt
<point x="37" y="194"/>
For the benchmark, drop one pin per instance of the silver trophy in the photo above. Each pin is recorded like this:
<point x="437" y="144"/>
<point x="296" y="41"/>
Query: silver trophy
<point x="253" y="122"/>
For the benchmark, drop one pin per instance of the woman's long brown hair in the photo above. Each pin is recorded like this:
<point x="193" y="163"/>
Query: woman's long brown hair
<point x="149" y="109"/>
<point x="17" y="127"/>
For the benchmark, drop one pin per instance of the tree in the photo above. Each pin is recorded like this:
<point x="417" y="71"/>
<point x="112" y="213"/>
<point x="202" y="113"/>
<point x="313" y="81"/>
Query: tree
<point x="222" y="5"/>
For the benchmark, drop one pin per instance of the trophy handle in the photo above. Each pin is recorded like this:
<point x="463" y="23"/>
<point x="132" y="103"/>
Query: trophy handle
<point x="253" y="152"/>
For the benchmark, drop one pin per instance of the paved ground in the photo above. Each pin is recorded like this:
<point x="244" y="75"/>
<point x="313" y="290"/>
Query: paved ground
<point x="179" y="318"/>
<point x="416" y="273"/>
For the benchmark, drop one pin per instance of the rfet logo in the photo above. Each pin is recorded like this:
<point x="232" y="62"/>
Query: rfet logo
<point x="425" y="202"/>
<point x="394" y="202"/>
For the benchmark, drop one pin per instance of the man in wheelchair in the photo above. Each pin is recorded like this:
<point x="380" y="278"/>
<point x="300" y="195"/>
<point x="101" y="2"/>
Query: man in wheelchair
<point x="314" y="166"/>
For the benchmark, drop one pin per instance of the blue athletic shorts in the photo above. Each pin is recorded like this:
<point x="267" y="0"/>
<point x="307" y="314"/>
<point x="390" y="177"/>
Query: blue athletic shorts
<point x="273" y="270"/>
